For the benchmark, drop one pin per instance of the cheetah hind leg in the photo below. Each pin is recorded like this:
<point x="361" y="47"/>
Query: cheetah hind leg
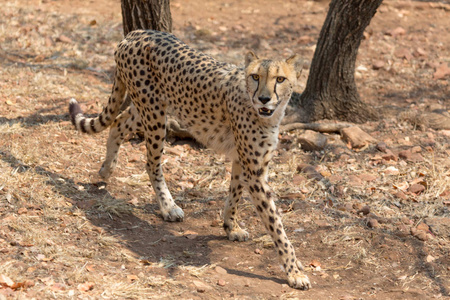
<point x="126" y="123"/>
<point x="231" y="224"/>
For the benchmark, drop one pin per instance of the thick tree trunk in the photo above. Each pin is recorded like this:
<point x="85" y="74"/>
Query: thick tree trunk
<point x="146" y="14"/>
<point x="331" y="91"/>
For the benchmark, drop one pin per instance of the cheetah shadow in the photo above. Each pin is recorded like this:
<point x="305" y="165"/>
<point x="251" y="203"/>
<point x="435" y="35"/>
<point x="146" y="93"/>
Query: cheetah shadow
<point x="150" y="242"/>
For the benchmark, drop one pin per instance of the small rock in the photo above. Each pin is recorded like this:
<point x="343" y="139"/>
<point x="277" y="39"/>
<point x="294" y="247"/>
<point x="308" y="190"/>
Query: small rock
<point x="221" y="282"/>
<point x="258" y="251"/>
<point x="405" y="154"/>
<point x="64" y="39"/>
<point x="134" y="158"/>
<point x="416" y="188"/>
<point x="416" y="149"/>
<point x="409" y="156"/>
<point x="364" y="210"/>
<point x="439" y="225"/>
<point x="312" y="140"/>
<point x="401" y="195"/>
<point x="377" y="64"/>
<point x="310" y="171"/>
<point x="215" y="223"/>
<point x="403" y="53"/>
<point x="373" y="223"/>
<point x="442" y="71"/>
<point x="396" y="31"/>
<point x="356" y="137"/>
<point x="201" y="287"/>
<point x="419" y="234"/>
<point x="389" y="156"/>
<point x="192" y="235"/>
<point x="381" y="146"/>
<point x="419" y="52"/>
<point x="391" y="170"/>
<point x="423" y="227"/>
<point x="430" y="258"/>
<point x="212" y="202"/>
<point x="220" y="270"/>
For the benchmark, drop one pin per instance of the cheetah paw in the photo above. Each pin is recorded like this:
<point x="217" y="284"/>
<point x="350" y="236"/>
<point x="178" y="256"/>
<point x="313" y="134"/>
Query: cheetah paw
<point x="298" y="280"/>
<point x="176" y="214"/>
<point x="105" y="173"/>
<point x="238" y="235"/>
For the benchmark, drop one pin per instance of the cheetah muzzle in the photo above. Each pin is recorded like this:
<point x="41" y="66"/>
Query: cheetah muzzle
<point x="235" y="111"/>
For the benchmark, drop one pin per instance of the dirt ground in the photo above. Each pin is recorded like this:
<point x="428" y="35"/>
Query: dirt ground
<point x="370" y="223"/>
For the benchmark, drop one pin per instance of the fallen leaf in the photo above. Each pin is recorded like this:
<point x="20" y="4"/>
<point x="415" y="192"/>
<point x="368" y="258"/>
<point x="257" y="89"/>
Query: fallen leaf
<point x="6" y="281"/>
<point x="442" y="71"/>
<point x="85" y="287"/>
<point x="190" y="234"/>
<point x="430" y="258"/>
<point x="90" y="268"/>
<point x="403" y="186"/>
<point x="201" y="287"/>
<point x="315" y="263"/>
<point x="58" y="287"/>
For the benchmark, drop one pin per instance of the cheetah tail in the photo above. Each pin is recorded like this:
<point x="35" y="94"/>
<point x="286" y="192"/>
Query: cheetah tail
<point x="102" y="120"/>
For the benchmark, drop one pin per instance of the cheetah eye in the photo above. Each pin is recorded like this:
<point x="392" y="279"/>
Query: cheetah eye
<point x="280" y="79"/>
<point x="255" y="77"/>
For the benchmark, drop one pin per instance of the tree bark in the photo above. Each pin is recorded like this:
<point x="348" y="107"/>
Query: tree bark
<point x="146" y="14"/>
<point x="331" y="91"/>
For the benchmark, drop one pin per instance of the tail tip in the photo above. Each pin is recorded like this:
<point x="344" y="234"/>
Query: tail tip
<point x="74" y="110"/>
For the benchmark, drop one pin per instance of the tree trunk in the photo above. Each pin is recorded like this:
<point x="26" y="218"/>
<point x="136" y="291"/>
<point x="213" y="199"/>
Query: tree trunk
<point x="146" y="14"/>
<point x="331" y="91"/>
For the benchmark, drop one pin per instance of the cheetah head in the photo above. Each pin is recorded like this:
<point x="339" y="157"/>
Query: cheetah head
<point x="269" y="83"/>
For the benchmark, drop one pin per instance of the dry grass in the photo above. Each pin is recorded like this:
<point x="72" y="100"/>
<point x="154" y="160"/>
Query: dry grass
<point x="61" y="228"/>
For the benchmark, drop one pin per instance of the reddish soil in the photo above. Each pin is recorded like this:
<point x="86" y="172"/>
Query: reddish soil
<point x="366" y="223"/>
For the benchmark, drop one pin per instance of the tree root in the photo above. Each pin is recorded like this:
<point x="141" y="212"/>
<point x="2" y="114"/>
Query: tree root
<point x="320" y="127"/>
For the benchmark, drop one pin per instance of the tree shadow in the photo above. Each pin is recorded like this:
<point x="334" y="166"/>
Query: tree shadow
<point x="41" y="116"/>
<point x="14" y="59"/>
<point x="428" y="268"/>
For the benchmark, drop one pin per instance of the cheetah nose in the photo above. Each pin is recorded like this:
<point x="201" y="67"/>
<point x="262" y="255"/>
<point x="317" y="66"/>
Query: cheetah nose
<point x="264" y="99"/>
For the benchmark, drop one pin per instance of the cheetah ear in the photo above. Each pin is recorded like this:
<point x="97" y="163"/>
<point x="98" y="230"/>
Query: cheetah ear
<point x="249" y="58"/>
<point x="296" y="61"/>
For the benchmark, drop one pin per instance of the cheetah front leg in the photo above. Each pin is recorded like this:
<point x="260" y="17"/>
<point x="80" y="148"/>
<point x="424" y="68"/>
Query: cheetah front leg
<point x="231" y="221"/>
<point x="262" y="198"/>
<point x="127" y="122"/>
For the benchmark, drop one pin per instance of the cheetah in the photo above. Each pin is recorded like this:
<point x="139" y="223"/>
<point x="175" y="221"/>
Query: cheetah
<point x="233" y="110"/>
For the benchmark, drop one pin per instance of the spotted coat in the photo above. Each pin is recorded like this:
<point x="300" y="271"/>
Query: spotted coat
<point x="235" y="111"/>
